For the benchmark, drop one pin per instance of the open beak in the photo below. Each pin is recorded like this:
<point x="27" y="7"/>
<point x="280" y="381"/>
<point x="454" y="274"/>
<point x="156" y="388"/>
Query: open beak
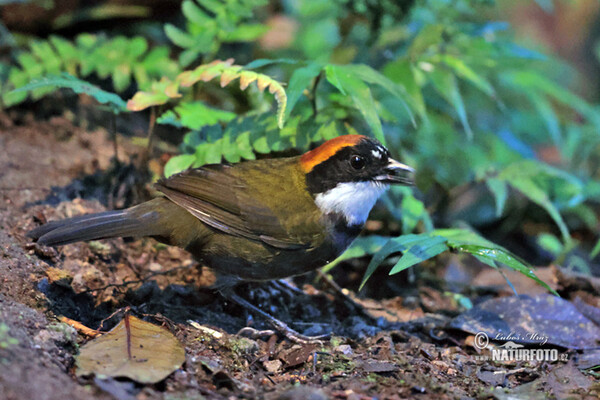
<point x="396" y="173"/>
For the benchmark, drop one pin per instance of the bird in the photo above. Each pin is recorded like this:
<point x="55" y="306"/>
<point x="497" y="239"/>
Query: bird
<point x="257" y="220"/>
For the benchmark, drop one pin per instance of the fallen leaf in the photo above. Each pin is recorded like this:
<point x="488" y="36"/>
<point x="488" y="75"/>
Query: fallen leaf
<point x="566" y="381"/>
<point x="135" y="349"/>
<point x="492" y="378"/>
<point x="57" y="274"/>
<point x="297" y="354"/>
<point x="272" y="366"/>
<point x="379" y="366"/>
<point x="588" y="359"/>
<point x="541" y="319"/>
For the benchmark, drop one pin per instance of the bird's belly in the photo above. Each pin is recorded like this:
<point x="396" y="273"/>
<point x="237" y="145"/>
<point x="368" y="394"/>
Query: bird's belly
<point x="239" y="259"/>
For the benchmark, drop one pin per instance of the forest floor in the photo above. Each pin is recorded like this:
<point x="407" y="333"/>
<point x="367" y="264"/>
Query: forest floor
<point x="410" y="336"/>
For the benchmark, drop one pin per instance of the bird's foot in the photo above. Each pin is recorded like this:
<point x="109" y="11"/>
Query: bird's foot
<point x="277" y="324"/>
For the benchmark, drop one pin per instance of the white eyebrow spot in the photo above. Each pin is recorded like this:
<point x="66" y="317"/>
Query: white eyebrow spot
<point x="376" y="153"/>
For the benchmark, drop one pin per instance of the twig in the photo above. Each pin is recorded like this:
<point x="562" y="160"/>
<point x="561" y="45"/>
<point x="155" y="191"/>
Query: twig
<point x="113" y="128"/>
<point x="150" y="135"/>
<point x="80" y="327"/>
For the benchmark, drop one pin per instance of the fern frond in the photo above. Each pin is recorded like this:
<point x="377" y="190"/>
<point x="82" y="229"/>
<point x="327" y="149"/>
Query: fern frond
<point x="163" y="91"/>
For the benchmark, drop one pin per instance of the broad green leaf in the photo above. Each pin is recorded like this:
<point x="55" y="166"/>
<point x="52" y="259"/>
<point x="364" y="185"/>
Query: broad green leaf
<point x="521" y="177"/>
<point x="419" y="252"/>
<point x="467" y="73"/>
<point x="360" y="93"/>
<point x="429" y="36"/>
<point x="531" y="80"/>
<point x="446" y="84"/>
<point x="374" y="77"/>
<point x="545" y="110"/>
<point x="394" y="245"/>
<point x="413" y="212"/>
<point x="300" y="79"/>
<point x="460" y="237"/>
<point x="401" y="72"/>
<point x="500" y="191"/>
<point x="361" y="247"/>
<point x="502" y="256"/>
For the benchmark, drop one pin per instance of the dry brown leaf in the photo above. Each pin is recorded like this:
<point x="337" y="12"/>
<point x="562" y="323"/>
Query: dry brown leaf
<point x="135" y="349"/>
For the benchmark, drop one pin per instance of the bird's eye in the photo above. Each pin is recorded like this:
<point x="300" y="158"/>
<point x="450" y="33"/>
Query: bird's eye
<point x="357" y="162"/>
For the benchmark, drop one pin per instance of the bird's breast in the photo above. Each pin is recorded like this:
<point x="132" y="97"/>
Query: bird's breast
<point x="341" y="232"/>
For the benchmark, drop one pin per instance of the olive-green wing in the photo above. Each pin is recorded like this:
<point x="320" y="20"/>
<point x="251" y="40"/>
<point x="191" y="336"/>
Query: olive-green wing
<point x="220" y="198"/>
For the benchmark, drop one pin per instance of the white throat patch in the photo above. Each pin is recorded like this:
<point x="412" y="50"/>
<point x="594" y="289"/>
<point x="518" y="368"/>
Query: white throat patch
<point x="352" y="199"/>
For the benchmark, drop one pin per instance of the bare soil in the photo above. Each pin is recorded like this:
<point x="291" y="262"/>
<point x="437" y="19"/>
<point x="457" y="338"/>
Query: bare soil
<point x="395" y="346"/>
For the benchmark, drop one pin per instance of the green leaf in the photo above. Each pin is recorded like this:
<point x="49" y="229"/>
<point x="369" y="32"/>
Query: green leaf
<point x="261" y="62"/>
<point x="595" y="250"/>
<point x="545" y="110"/>
<point x="503" y="256"/>
<point x="360" y="93"/>
<point x="401" y="72"/>
<point x="300" y="79"/>
<point x="500" y="191"/>
<point x="394" y="245"/>
<point x="194" y="13"/>
<point x="550" y="243"/>
<point x="414" y="211"/>
<point x="466" y="241"/>
<point x="522" y="175"/>
<point x="178" y="163"/>
<point x="419" y="252"/>
<point x="17" y="78"/>
<point x="467" y="73"/>
<point x="214" y="6"/>
<point x="246" y="33"/>
<point x="361" y="247"/>
<point x="445" y="83"/>
<point x="195" y="115"/>
<point x="78" y="86"/>
<point x="532" y="80"/>
<point x="45" y="53"/>
<point x="179" y="37"/>
<point x="429" y="36"/>
<point x="121" y="77"/>
<point x="374" y="77"/>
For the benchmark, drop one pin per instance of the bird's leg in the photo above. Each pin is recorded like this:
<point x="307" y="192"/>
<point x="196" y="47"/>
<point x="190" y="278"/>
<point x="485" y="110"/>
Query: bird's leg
<point x="278" y="325"/>
<point x="343" y="296"/>
<point x="286" y="287"/>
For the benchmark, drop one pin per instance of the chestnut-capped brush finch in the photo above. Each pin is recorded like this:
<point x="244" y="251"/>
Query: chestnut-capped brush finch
<point x="256" y="220"/>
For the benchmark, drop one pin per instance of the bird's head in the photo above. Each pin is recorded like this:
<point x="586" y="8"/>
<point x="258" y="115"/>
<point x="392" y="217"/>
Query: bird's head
<point x="347" y="174"/>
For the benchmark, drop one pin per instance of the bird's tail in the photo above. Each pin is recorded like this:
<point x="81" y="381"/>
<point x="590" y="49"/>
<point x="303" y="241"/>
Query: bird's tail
<point x="141" y="220"/>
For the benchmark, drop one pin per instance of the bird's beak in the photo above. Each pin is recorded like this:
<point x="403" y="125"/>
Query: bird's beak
<point x="396" y="173"/>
